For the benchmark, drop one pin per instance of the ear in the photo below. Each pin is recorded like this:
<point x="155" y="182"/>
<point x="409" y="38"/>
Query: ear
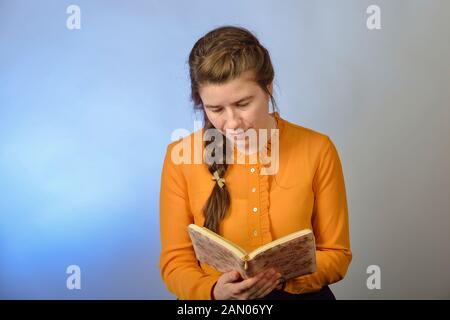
<point x="270" y="88"/>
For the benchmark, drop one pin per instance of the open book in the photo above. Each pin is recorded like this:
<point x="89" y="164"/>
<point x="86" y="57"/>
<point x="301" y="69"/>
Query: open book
<point x="292" y="255"/>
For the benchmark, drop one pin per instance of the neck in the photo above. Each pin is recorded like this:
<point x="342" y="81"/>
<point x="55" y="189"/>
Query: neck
<point x="272" y="124"/>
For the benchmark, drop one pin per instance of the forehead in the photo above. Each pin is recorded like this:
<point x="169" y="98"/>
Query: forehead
<point x="233" y="90"/>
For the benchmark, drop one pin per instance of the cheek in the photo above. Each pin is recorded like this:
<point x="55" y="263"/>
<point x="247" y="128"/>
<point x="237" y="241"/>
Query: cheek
<point x="258" y="114"/>
<point x="257" y="117"/>
<point x="215" y="119"/>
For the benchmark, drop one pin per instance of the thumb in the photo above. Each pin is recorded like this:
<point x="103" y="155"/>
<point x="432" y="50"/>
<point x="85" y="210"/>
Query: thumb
<point x="232" y="276"/>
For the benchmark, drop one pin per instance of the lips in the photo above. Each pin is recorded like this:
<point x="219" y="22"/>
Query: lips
<point x="239" y="136"/>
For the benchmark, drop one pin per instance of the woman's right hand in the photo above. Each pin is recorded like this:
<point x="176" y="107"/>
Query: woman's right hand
<point x="230" y="286"/>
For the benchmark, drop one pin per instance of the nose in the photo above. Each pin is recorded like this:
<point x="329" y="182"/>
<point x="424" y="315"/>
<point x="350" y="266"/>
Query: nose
<point x="233" y="122"/>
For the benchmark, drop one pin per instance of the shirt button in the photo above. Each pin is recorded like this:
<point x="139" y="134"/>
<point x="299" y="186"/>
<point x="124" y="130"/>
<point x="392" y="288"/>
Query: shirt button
<point x="255" y="233"/>
<point x="255" y="209"/>
<point x="253" y="189"/>
<point x="252" y="170"/>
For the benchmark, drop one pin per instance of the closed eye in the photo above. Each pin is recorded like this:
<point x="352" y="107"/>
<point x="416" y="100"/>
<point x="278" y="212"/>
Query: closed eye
<point x="217" y="110"/>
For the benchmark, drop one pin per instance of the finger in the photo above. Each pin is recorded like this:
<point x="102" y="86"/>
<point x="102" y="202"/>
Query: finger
<point x="231" y="276"/>
<point x="249" y="283"/>
<point x="269" y="290"/>
<point x="270" y="283"/>
<point x="273" y="285"/>
<point x="281" y="284"/>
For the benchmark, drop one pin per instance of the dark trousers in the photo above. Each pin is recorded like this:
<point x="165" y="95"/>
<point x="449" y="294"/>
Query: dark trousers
<point x="324" y="294"/>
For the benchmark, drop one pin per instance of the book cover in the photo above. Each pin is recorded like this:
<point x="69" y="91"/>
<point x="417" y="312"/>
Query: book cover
<point x="292" y="255"/>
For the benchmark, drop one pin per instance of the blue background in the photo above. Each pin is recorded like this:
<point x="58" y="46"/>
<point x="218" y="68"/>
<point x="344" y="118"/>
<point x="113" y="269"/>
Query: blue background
<point x="86" y="115"/>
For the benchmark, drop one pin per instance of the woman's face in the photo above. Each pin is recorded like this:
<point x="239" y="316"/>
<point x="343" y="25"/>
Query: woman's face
<point x="236" y="106"/>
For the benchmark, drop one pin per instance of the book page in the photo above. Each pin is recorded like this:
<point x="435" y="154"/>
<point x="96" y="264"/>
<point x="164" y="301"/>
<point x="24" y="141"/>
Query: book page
<point x="279" y="241"/>
<point x="210" y="249"/>
<point x="237" y="250"/>
<point x="292" y="258"/>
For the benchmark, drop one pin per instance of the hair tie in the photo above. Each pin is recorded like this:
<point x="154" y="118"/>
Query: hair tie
<point x="220" y="181"/>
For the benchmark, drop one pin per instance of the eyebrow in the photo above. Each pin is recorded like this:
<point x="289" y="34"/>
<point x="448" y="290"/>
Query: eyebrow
<point x="234" y="103"/>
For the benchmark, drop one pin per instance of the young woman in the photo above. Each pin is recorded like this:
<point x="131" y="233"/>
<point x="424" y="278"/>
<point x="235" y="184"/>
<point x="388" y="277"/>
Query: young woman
<point x="231" y="83"/>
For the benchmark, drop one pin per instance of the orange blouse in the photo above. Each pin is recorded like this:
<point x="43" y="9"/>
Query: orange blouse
<point x="308" y="191"/>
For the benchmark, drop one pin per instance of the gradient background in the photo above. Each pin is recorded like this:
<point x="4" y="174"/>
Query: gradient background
<point x="86" y="115"/>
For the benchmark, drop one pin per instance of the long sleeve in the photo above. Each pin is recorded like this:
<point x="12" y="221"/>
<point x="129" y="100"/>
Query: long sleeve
<point x="330" y="225"/>
<point x="179" y="267"/>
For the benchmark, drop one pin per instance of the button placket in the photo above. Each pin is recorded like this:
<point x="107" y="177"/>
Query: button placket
<point x="253" y="196"/>
<point x="258" y="234"/>
<point x="254" y="218"/>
